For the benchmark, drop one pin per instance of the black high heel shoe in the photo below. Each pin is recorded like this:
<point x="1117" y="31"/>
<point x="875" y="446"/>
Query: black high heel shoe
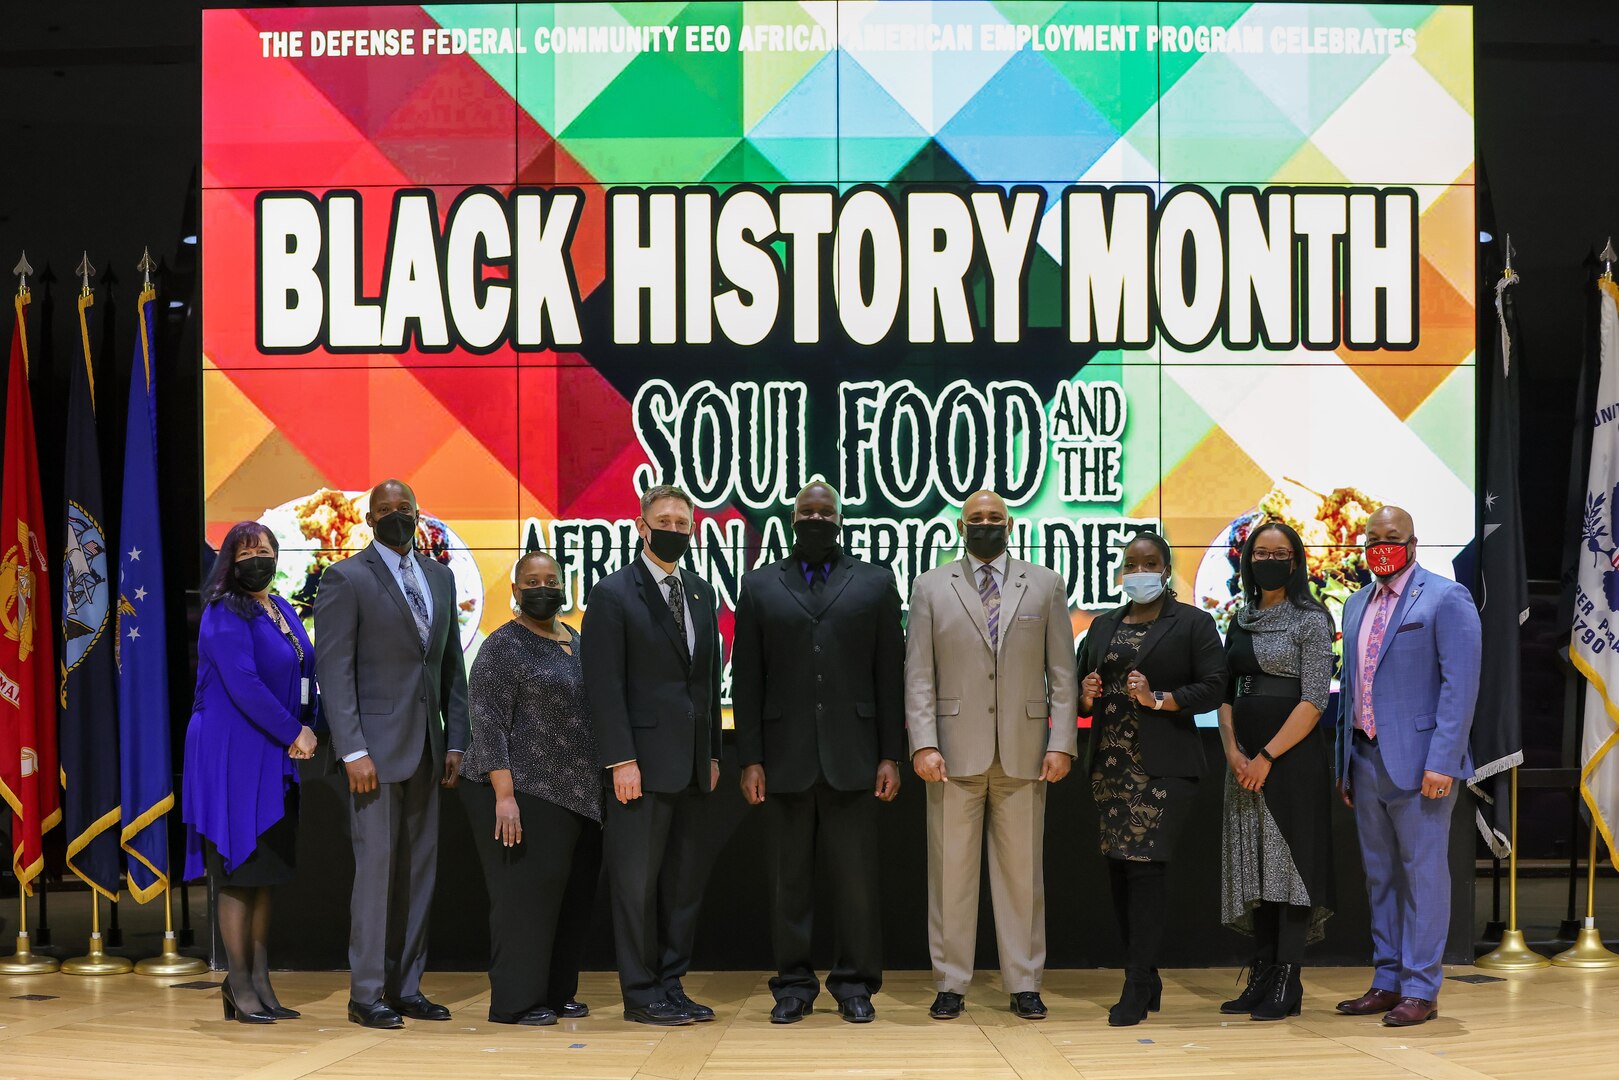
<point x="282" y="1013"/>
<point x="1134" y="1003"/>
<point x="239" y="1015"/>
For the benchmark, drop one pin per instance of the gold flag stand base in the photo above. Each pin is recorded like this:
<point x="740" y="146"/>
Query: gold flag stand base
<point x="1588" y="952"/>
<point x="1513" y="954"/>
<point x="171" y="962"/>
<point x="97" y="962"/>
<point x="25" y="961"/>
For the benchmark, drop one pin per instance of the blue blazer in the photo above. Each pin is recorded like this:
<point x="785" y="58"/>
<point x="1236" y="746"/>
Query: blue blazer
<point x="245" y="715"/>
<point x="1426" y="684"/>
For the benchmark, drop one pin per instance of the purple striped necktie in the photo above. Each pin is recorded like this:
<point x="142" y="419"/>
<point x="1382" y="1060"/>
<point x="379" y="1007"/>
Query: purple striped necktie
<point x="990" y="594"/>
<point x="1368" y="666"/>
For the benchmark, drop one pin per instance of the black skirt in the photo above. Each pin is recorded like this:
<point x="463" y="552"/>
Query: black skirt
<point x="273" y="862"/>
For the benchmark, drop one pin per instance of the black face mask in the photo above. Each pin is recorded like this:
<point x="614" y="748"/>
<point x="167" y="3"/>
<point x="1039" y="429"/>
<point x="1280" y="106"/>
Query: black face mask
<point x="986" y="541"/>
<point x="396" y="529"/>
<point x="541" y="602"/>
<point x="255" y="572"/>
<point x="815" y="539"/>
<point x="668" y="544"/>
<point x="1271" y="573"/>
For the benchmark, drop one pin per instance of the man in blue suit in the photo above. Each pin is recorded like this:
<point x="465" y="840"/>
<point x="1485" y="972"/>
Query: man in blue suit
<point x="1410" y="678"/>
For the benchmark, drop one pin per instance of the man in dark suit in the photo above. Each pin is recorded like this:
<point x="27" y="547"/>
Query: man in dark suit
<point x="817" y="676"/>
<point x="394" y="688"/>
<point x="652" y="672"/>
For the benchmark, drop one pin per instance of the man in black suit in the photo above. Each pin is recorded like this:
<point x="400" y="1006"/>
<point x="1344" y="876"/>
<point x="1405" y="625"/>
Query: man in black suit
<point x="394" y="687"/>
<point x="817" y="674"/>
<point x="651" y="654"/>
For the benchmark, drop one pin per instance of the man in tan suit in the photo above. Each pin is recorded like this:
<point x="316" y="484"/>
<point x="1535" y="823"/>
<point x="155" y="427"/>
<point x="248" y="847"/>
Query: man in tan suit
<point x="990" y="703"/>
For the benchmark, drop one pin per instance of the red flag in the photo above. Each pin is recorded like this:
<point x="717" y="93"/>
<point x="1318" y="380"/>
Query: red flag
<point x="28" y="769"/>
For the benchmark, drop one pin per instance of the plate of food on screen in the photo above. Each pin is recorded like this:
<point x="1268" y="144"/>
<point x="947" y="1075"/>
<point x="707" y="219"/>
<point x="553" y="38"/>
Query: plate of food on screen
<point x="1331" y="525"/>
<point x="321" y="528"/>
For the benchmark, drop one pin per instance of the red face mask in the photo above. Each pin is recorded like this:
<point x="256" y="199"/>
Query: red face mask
<point x="1387" y="559"/>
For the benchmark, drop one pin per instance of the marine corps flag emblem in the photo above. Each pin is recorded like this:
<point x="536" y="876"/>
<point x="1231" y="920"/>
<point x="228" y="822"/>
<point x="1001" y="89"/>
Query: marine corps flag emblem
<point x="28" y="769"/>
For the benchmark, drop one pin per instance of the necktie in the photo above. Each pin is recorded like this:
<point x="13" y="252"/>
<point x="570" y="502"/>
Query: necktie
<point x="990" y="594"/>
<point x="413" y="597"/>
<point x="1368" y="664"/>
<point x="677" y="608"/>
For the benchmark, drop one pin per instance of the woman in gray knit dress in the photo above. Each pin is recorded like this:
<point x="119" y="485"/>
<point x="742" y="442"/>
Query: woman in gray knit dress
<point x="1276" y="881"/>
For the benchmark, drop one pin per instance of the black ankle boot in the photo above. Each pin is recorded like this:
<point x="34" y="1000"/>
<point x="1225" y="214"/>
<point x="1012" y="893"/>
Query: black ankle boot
<point x="1283" y="997"/>
<point x="1157" y="998"/>
<point x="1134" y="1002"/>
<point x="1259" y="978"/>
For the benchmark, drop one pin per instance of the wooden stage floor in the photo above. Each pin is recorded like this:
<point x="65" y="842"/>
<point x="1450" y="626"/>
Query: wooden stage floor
<point x="130" y="1027"/>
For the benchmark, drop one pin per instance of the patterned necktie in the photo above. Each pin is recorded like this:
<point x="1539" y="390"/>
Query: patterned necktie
<point x="990" y="594"/>
<point x="677" y="608"/>
<point x="1368" y="663"/>
<point x="413" y="597"/>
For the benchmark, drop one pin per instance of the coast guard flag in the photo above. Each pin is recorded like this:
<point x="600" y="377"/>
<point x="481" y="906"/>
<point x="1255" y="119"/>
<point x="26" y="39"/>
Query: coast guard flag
<point x="89" y="697"/>
<point x="27" y="673"/>
<point x="1594" y="641"/>
<point x="143" y="672"/>
<point x="1503" y="592"/>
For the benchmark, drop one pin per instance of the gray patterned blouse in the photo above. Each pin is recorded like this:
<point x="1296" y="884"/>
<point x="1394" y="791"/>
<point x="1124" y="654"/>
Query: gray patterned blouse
<point x="1294" y="642"/>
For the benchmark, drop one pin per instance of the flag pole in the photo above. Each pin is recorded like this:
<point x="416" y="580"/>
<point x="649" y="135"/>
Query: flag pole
<point x="1514" y="953"/>
<point x="25" y="961"/>
<point x="170" y="962"/>
<point x="1588" y="951"/>
<point x="96" y="961"/>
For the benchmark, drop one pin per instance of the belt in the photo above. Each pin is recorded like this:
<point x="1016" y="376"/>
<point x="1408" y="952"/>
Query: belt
<point x="1269" y="686"/>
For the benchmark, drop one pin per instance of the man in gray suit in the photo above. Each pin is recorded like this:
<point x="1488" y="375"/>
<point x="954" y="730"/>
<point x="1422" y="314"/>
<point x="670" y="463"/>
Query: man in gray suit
<point x="991" y="704"/>
<point x="394" y="687"/>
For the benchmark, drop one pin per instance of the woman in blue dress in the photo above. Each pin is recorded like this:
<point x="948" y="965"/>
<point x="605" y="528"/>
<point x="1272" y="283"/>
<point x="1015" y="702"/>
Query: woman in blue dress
<point x="250" y="721"/>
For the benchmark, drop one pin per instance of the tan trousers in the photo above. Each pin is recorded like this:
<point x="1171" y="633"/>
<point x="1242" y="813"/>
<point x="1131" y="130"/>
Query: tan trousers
<point x="1016" y="811"/>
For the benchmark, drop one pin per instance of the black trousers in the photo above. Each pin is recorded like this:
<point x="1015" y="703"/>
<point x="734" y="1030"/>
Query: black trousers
<point x="840" y="829"/>
<point x="656" y="869"/>
<point x="542" y="894"/>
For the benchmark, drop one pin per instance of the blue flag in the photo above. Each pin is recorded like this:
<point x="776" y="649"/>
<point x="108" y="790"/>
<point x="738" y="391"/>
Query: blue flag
<point x="88" y="722"/>
<point x="143" y="658"/>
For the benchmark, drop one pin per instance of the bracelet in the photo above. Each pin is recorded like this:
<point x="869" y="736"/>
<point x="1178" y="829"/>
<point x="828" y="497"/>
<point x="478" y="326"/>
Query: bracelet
<point x="1266" y="754"/>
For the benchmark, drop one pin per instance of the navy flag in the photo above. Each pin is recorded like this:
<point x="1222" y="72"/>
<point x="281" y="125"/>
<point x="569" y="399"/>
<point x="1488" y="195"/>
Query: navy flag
<point x="1503" y="587"/>
<point x="88" y="724"/>
<point x="143" y="677"/>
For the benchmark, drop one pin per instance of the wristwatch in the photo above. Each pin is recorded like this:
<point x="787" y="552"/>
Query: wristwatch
<point x="1267" y="755"/>
<point x="1158" y="697"/>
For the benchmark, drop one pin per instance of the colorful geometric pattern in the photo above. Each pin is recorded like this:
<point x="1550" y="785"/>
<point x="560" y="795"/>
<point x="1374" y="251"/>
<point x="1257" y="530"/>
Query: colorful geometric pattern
<point x="490" y="440"/>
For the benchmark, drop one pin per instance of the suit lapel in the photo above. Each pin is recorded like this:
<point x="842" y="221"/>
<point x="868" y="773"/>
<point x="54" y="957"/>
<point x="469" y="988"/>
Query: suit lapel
<point x="1155" y="633"/>
<point x="699" y="603"/>
<point x="658" y="605"/>
<point x="967" y="590"/>
<point x="1408" y="599"/>
<point x="1017" y="586"/>
<point x="390" y="585"/>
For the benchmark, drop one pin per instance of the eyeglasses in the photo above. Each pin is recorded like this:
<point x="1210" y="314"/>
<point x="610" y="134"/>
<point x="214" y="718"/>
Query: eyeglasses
<point x="1273" y="556"/>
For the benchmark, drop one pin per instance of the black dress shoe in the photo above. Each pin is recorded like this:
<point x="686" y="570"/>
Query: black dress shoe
<point x="281" y="1013"/>
<point x="946" y="1006"/>
<point x="417" y="1007"/>
<point x="573" y="1010"/>
<point x="790" y="1010"/>
<point x="536" y="1017"/>
<point x="659" y="1014"/>
<point x="700" y="1014"/>
<point x="857" y="1010"/>
<point x="374" y="1015"/>
<point x="1028" y="1005"/>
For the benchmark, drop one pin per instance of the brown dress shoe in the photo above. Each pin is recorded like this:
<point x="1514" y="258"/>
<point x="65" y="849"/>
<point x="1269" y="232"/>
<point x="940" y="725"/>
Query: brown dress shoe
<point x="1412" y="1011"/>
<point x="1372" y="1001"/>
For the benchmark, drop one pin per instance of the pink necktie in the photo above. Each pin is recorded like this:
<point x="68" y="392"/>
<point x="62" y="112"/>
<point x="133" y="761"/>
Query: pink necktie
<point x="1368" y="664"/>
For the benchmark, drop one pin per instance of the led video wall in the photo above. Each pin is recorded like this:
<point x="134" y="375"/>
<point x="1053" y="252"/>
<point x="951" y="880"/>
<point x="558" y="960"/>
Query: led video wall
<point x="1134" y="265"/>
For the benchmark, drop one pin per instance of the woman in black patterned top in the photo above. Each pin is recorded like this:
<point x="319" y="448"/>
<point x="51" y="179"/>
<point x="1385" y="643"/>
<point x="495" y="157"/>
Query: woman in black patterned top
<point x="534" y="801"/>
<point x="1277" y="882"/>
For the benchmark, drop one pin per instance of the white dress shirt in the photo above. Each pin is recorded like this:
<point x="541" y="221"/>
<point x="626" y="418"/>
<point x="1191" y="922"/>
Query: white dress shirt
<point x="662" y="578"/>
<point x="997" y="568"/>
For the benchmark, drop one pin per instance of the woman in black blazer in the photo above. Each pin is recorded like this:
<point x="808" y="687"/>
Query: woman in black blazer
<point x="1150" y="667"/>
